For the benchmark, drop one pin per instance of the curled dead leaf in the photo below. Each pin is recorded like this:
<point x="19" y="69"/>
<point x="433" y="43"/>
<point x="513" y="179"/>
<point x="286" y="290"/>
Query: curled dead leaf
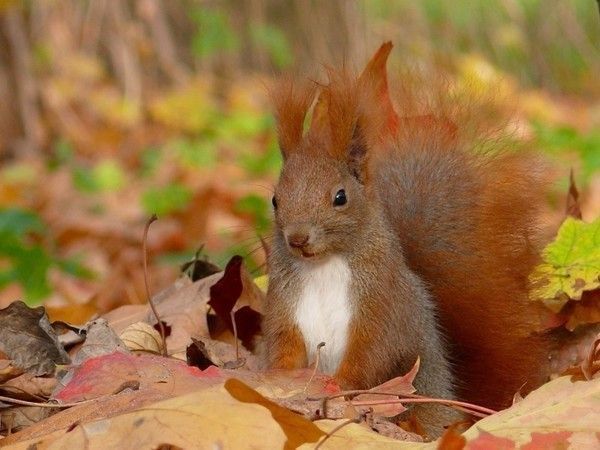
<point x="143" y="337"/>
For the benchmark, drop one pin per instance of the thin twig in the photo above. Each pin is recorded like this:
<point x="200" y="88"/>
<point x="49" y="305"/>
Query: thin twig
<point x="6" y="387"/>
<point x="337" y="428"/>
<point x="319" y="347"/>
<point x="410" y="398"/>
<point x="150" y="302"/>
<point x="16" y="401"/>
<point x="129" y="384"/>
<point x="235" y="335"/>
<point x="422" y="400"/>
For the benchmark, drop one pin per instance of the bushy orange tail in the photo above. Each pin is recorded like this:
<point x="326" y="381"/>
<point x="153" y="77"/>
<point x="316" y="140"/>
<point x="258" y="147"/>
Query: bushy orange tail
<point x="466" y="211"/>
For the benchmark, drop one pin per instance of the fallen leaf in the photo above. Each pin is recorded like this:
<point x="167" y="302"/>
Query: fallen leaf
<point x="19" y="417"/>
<point x="197" y="356"/>
<point x="223" y="355"/>
<point x="386" y="428"/>
<point x="100" y="340"/>
<point x="236" y="285"/>
<point x="182" y="306"/>
<point x="571" y="265"/>
<point x="141" y="336"/>
<point x="297" y="429"/>
<point x="199" y="268"/>
<point x="27" y="385"/>
<point x="558" y="406"/>
<point x="585" y="311"/>
<point x="28" y="339"/>
<point x="401" y="385"/>
<point x="8" y="370"/>
<point x="104" y="375"/>
<point x="549" y="439"/>
<point x="189" y="421"/>
<point x="486" y="441"/>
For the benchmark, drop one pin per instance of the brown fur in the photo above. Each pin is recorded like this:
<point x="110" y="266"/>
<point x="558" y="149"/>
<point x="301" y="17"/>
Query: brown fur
<point x="431" y="223"/>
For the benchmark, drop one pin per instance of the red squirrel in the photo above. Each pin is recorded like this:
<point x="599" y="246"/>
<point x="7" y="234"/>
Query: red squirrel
<point x="395" y="239"/>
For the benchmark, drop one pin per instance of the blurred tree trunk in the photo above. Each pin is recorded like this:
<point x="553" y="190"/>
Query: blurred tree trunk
<point x="19" y="63"/>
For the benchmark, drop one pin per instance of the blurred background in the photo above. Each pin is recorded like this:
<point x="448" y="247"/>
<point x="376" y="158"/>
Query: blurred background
<point x="111" y="110"/>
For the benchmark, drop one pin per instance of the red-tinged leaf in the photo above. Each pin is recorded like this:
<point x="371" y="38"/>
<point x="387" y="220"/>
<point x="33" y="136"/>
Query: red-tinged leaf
<point x="105" y="374"/>
<point x="487" y="441"/>
<point x="400" y="385"/>
<point x="543" y="441"/>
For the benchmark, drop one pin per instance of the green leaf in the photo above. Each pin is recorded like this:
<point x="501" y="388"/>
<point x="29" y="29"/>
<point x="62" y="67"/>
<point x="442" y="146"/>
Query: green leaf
<point x="571" y="265"/>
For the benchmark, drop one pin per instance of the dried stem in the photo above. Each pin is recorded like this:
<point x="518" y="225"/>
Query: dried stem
<point x="319" y="347"/>
<point x="409" y="398"/>
<point x="161" y="327"/>
<point x="16" y="401"/>
<point x="235" y="335"/>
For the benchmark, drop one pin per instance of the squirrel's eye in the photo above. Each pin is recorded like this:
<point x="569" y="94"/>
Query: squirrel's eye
<point x="274" y="202"/>
<point x="340" y="198"/>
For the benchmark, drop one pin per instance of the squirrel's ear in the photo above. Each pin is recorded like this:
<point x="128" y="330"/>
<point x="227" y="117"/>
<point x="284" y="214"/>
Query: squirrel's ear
<point x="291" y="100"/>
<point x="374" y="79"/>
<point x="357" y="156"/>
<point x="320" y="115"/>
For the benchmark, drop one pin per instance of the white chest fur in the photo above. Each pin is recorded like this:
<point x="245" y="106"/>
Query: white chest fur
<point x="323" y="311"/>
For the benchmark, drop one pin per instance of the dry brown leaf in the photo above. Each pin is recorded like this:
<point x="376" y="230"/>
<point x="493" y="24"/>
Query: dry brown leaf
<point x="100" y="340"/>
<point x="27" y="338"/>
<point x="143" y="337"/>
<point x="8" y="370"/>
<point x="586" y="311"/>
<point x="183" y="306"/>
<point x="30" y="385"/>
<point x="401" y="385"/>
<point x="19" y="417"/>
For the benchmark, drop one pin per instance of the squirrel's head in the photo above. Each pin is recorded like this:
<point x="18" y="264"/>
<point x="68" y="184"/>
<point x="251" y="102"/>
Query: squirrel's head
<point x="324" y="198"/>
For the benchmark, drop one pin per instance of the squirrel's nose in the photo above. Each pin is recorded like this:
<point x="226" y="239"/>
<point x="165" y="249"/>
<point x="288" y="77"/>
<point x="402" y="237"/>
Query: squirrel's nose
<point x="298" y="240"/>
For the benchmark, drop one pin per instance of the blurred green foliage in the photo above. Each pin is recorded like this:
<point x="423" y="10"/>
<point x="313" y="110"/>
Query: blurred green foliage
<point x="557" y="140"/>
<point x="274" y="42"/>
<point x="213" y="33"/>
<point x="24" y="258"/>
<point x="104" y="176"/>
<point x="166" y="200"/>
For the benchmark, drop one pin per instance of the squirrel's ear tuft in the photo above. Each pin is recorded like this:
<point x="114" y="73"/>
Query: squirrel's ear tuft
<point x="374" y="79"/>
<point x="291" y="100"/>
